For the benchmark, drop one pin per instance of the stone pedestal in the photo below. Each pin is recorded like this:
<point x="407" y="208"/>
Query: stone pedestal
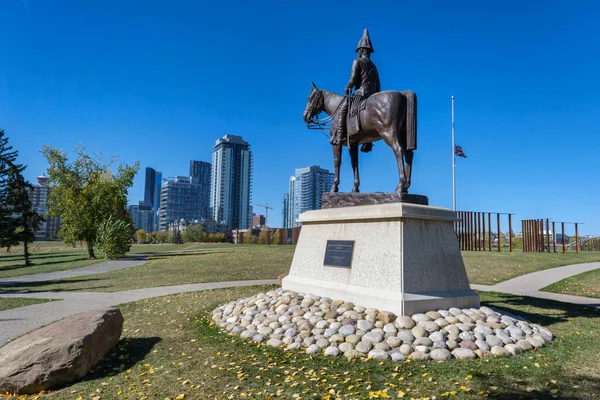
<point x="405" y="258"/>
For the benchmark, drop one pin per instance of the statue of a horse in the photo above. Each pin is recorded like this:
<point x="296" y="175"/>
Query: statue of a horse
<point x="389" y="115"/>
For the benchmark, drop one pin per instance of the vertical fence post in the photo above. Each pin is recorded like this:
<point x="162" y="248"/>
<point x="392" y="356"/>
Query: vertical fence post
<point x="498" y="221"/>
<point x="548" y="233"/>
<point x="510" y="233"/>
<point x="483" y="238"/>
<point x="577" y="237"/>
<point x="564" y="246"/>
<point x="554" y="235"/>
<point x="490" y="231"/>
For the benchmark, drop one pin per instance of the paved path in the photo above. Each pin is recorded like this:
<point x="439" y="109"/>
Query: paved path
<point x="17" y="321"/>
<point x="530" y="284"/>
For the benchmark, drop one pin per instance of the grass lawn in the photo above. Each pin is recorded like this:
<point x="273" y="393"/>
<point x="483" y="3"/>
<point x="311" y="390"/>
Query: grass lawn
<point x="12" y="264"/>
<point x="162" y="247"/>
<point x="586" y="284"/>
<point x="226" y="264"/>
<point x="8" y="303"/>
<point x="489" y="268"/>
<point x="170" y="349"/>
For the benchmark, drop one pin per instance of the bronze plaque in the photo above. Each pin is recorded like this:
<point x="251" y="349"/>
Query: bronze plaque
<point x="338" y="253"/>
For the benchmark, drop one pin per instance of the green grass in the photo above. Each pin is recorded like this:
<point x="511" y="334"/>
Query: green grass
<point x="226" y="264"/>
<point x="489" y="268"/>
<point x="163" y="247"/>
<point x="586" y="284"/>
<point x="13" y="265"/>
<point x="8" y="303"/>
<point x="169" y="348"/>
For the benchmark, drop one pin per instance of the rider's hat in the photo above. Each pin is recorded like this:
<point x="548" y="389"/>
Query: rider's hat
<point x="365" y="42"/>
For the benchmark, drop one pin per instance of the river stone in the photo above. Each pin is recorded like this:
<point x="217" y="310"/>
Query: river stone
<point x="322" y="324"/>
<point x="494" y="340"/>
<point x="344" y="347"/>
<point x="337" y="338"/>
<point x="259" y="338"/>
<point x="390" y="328"/>
<point x="332" y="351"/>
<point x="467" y="336"/>
<point x="451" y="344"/>
<point x="364" y="346"/>
<point x="419" y="317"/>
<point x="452" y="329"/>
<point x="265" y="330"/>
<point x="59" y="353"/>
<point x="499" y="351"/>
<point x="417" y="355"/>
<point x="422" y="349"/>
<point x="352" y="353"/>
<point x="482" y="353"/>
<point x="398" y="356"/>
<point x="373" y="337"/>
<point x="525" y="345"/>
<point x="545" y="333"/>
<point x="364" y="325"/>
<point x="406" y="336"/>
<point x="394" y="341"/>
<point x="422" y="341"/>
<point x="514" y="349"/>
<point x="483" y="345"/>
<point x="442" y="322"/>
<point x="467" y="344"/>
<point x="404" y="322"/>
<point x="293" y="346"/>
<point x="383" y="346"/>
<point x="406" y="349"/>
<point x="329" y="332"/>
<point x="322" y="343"/>
<point x="378" y="354"/>
<point x="429" y="326"/>
<point x="347" y="330"/>
<point x="237" y="330"/>
<point x="455" y="311"/>
<point x="440" y="354"/>
<point x="539" y="338"/>
<point x="386" y="317"/>
<point x="313" y="349"/>
<point x="419" y="331"/>
<point x="436" y="336"/>
<point x="433" y="315"/>
<point x="463" y="354"/>
<point x="352" y="339"/>
<point x="248" y="334"/>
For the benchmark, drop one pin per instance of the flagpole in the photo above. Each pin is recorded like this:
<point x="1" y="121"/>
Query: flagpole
<point x="453" y="161"/>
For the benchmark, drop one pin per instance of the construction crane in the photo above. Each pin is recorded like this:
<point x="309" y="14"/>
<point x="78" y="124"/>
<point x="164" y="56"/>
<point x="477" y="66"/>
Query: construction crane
<point x="267" y="208"/>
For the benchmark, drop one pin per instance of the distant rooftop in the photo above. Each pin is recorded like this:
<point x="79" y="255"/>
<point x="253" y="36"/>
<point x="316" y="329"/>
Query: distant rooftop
<point x="228" y="138"/>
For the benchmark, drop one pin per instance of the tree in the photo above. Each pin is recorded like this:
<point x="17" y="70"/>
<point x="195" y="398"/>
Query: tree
<point x="8" y="157"/>
<point x="263" y="237"/>
<point x="27" y="221"/>
<point x="140" y="236"/>
<point x="114" y="237"/>
<point x="247" y="239"/>
<point x="85" y="193"/>
<point x="193" y="233"/>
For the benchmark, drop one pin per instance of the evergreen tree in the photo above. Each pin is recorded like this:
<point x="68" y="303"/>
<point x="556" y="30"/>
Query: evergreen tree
<point x="8" y="167"/>
<point x="27" y="221"/>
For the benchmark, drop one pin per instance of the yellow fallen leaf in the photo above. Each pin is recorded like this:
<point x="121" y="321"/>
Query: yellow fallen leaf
<point x="401" y="393"/>
<point x="181" y="396"/>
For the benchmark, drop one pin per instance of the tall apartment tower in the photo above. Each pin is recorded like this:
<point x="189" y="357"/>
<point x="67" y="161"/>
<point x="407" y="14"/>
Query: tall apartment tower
<point x="39" y="203"/>
<point x="200" y="175"/>
<point x="305" y="189"/>
<point x="153" y="180"/>
<point x="180" y="199"/>
<point x="231" y="182"/>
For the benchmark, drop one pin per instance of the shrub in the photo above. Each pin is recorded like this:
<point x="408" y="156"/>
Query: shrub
<point x="114" y="237"/>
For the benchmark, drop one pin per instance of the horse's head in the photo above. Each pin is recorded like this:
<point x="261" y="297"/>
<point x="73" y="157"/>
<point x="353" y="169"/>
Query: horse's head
<point x="314" y="105"/>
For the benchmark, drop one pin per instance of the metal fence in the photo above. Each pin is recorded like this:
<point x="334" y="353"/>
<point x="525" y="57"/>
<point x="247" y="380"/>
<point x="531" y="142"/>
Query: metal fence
<point x="475" y="231"/>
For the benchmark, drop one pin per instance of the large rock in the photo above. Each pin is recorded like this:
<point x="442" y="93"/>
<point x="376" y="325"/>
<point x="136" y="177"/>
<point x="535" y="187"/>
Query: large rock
<point x="60" y="353"/>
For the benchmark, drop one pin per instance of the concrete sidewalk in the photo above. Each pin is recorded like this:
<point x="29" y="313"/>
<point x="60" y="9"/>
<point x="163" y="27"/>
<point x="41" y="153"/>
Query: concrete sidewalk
<point x="18" y="321"/>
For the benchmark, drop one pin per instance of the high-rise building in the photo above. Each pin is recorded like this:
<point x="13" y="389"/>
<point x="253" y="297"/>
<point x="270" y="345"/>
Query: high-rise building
<point x="181" y="199"/>
<point x="200" y="175"/>
<point x="142" y="216"/>
<point x="153" y="180"/>
<point x="231" y="182"/>
<point x="258" y="221"/>
<point x="304" y="193"/>
<point x="39" y="203"/>
<point x="285" y="204"/>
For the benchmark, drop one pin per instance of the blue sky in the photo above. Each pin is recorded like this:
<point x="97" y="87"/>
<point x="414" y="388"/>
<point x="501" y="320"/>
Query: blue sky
<point x="159" y="82"/>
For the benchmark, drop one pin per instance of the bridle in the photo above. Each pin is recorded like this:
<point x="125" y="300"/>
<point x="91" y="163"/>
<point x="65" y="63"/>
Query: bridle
<point x="315" y="122"/>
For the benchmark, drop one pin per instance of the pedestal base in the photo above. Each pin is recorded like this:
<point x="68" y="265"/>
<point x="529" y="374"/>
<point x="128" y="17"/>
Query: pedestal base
<point x="405" y="258"/>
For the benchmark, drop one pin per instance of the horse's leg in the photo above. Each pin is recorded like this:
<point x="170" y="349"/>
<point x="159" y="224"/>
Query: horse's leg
<point x="354" y="159"/>
<point x="391" y="138"/>
<point x="337" y="160"/>
<point x="408" y="156"/>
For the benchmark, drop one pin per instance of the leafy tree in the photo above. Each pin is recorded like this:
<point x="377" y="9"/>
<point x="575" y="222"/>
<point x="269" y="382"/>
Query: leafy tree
<point x="85" y="193"/>
<point x="276" y="237"/>
<point x="114" y="237"/>
<point x="247" y="239"/>
<point x="140" y="236"/>
<point x="162" y="237"/>
<point x="193" y="233"/>
<point x="263" y="237"/>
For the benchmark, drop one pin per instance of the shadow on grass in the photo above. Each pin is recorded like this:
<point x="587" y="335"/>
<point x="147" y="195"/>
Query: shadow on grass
<point x="26" y="287"/>
<point x="127" y="353"/>
<point x="160" y="256"/>
<point x="41" y="255"/>
<point x="514" y="304"/>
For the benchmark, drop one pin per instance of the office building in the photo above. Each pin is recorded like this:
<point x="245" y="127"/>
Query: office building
<point x="142" y="216"/>
<point x="38" y="196"/>
<point x="305" y="189"/>
<point x="181" y="199"/>
<point x="258" y="221"/>
<point x="231" y="182"/>
<point x="200" y="175"/>
<point x="152" y="186"/>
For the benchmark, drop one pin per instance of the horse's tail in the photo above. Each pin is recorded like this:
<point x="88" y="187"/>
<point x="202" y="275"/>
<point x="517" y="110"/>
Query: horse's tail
<point x="409" y="128"/>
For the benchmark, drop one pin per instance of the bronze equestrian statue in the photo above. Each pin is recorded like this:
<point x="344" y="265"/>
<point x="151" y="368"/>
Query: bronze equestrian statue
<point x="373" y="115"/>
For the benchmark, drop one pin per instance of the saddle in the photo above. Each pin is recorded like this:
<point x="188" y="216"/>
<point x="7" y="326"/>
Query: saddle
<point x="357" y="103"/>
